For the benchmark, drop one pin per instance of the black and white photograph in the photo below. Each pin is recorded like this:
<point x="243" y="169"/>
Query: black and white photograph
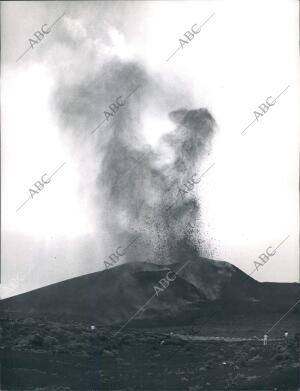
<point x="150" y="195"/>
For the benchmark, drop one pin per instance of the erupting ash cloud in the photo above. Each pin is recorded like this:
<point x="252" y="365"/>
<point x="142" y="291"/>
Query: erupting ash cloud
<point x="137" y="183"/>
<point x="140" y="186"/>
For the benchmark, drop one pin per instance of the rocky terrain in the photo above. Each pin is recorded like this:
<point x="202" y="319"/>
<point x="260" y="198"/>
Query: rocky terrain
<point x="48" y="355"/>
<point x="202" y="332"/>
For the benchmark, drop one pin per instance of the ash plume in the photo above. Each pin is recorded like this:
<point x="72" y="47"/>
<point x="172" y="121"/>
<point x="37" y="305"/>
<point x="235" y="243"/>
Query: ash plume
<point x="141" y="184"/>
<point x="136" y="183"/>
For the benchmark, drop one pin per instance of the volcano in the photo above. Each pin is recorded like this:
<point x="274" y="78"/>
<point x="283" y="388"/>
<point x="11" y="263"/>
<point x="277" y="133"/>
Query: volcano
<point x="113" y="296"/>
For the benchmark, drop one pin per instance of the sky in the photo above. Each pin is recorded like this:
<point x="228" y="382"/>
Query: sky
<point x="245" y="53"/>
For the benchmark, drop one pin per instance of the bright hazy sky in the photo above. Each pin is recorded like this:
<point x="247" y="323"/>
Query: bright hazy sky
<point x="246" y="52"/>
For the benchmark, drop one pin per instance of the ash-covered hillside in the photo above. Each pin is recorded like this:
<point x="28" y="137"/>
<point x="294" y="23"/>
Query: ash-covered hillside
<point x="113" y="296"/>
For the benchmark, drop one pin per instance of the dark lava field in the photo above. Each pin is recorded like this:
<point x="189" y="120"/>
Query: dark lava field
<point x="51" y="355"/>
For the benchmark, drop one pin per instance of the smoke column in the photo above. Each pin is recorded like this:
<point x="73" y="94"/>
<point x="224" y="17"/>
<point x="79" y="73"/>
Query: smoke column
<point x="137" y="184"/>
